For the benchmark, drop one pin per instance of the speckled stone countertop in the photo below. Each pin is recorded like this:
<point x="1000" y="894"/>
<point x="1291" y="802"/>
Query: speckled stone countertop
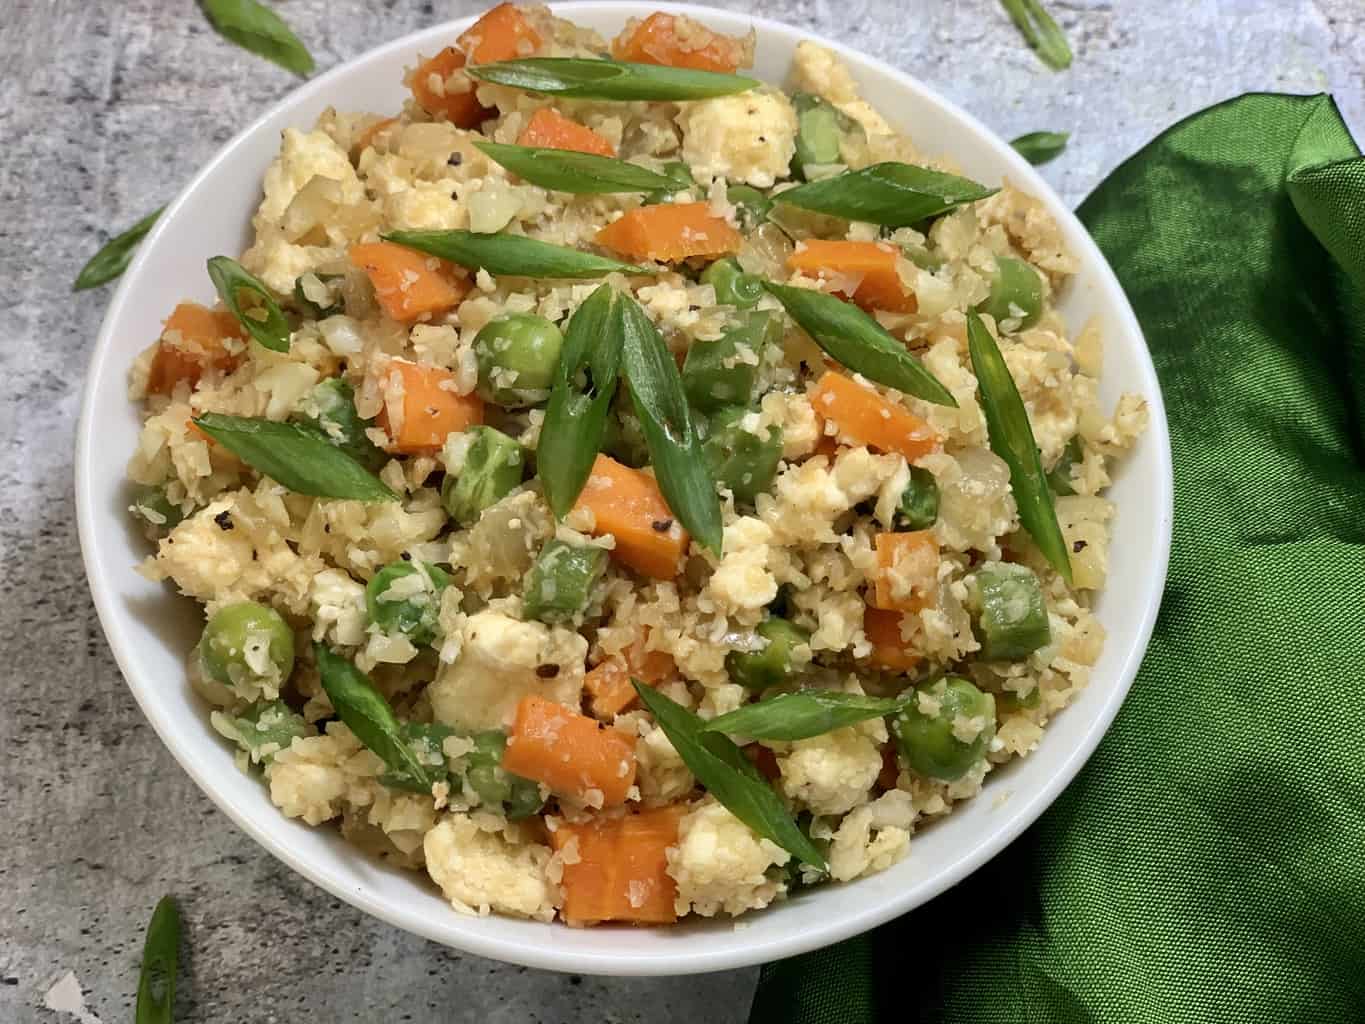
<point x="97" y="819"/>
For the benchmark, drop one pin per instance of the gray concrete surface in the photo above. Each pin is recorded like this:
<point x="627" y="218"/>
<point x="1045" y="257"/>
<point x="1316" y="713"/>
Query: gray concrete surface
<point x="105" y="110"/>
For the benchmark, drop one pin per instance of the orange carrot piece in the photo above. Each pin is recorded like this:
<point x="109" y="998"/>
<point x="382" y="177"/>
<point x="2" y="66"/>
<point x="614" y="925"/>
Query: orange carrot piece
<point x="620" y="871"/>
<point x="431" y="410"/>
<point x="866" y="417"/>
<point x="367" y="135"/>
<point x="626" y="503"/>
<point x="883" y="630"/>
<point x="550" y="129"/>
<point x="914" y="557"/>
<point x="874" y="263"/>
<point x="608" y="684"/>
<point x="678" y="42"/>
<point x="670" y="231"/>
<point x="442" y="93"/>
<point x="194" y="340"/>
<point x="501" y="34"/>
<point x="408" y="284"/>
<point x="571" y="753"/>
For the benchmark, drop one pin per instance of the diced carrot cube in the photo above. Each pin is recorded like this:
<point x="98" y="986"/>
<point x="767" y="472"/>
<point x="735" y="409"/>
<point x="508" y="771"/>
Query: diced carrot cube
<point x="549" y="129"/>
<point x="617" y="869"/>
<point x="442" y="90"/>
<point x="609" y="684"/>
<point x="573" y="754"/>
<point x="867" y="417"/>
<point x="678" y="42"/>
<point x="421" y="407"/>
<point x="669" y="232"/>
<point x="626" y="503"/>
<point x="882" y="628"/>
<point x="194" y="340"/>
<point x="501" y="34"/>
<point x="408" y="284"/>
<point x="907" y="576"/>
<point x="875" y="266"/>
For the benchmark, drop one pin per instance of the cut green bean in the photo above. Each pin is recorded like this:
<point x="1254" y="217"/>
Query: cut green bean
<point x="404" y="598"/>
<point x="1012" y="619"/>
<point x="151" y="505"/>
<point x="262" y="730"/>
<point x="560" y="583"/>
<point x="818" y="132"/>
<point x="930" y="732"/>
<point x="493" y="467"/>
<point x="1016" y="293"/>
<point x="918" y="507"/>
<point x="773" y="663"/>
<point x="721" y="373"/>
<point x="753" y="205"/>
<point x="743" y="462"/>
<point x="732" y="285"/>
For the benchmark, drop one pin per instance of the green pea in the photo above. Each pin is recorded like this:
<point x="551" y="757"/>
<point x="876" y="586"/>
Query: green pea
<point x="247" y="643"/>
<point x="818" y="131"/>
<point x="681" y="176"/>
<point x="775" y="662"/>
<point x="733" y="286"/>
<point x="559" y="585"/>
<point x="263" y="729"/>
<point x="314" y="310"/>
<point x="1059" y="476"/>
<point x="918" y="507"/>
<point x="330" y="407"/>
<point x="721" y="373"/>
<point x="753" y="205"/>
<point x="520" y="797"/>
<point x="1016" y="292"/>
<point x="928" y="741"/>
<point x="405" y="597"/>
<point x="493" y="467"/>
<point x="743" y="462"/>
<point x="150" y="503"/>
<point x="517" y="355"/>
<point x="1012" y="616"/>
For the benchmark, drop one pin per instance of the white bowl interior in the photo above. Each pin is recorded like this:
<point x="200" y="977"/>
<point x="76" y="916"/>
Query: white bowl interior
<point x="150" y="629"/>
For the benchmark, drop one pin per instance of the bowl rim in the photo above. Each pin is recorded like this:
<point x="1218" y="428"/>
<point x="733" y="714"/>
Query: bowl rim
<point x="1023" y="809"/>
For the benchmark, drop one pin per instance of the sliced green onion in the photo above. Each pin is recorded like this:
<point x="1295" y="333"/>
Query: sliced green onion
<point x="512" y="255"/>
<point x="803" y="714"/>
<point x="590" y="79"/>
<point x="1040" y="147"/>
<point x="675" y="449"/>
<point x="580" y="401"/>
<point x="1040" y="32"/>
<point x="893" y="195"/>
<point x="858" y="342"/>
<point x="263" y="318"/>
<point x="565" y="170"/>
<point x="728" y="775"/>
<point x="115" y="255"/>
<point x="160" y="959"/>
<point x="296" y="455"/>
<point x="1011" y="437"/>
<point x="258" y="29"/>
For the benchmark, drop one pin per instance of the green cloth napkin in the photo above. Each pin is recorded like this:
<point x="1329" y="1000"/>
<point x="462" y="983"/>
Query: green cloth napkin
<point x="1209" y="862"/>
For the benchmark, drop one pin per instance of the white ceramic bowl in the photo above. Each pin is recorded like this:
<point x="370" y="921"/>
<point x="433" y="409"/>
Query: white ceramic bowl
<point x="150" y="629"/>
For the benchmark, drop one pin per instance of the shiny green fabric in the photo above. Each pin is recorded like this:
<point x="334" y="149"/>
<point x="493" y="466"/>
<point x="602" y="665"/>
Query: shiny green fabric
<point x="1208" y="864"/>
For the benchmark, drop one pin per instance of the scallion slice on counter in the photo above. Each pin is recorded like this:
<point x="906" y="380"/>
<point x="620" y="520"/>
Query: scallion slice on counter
<point x="258" y="29"/>
<point x="512" y="255"/>
<point x="1011" y="437"/>
<point x="261" y="315"/>
<point x="728" y="775"/>
<point x="858" y="342"/>
<point x="660" y="403"/>
<point x="586" y="78"/>
<point x="160" y="959"/>
<point x="803" y="714"/>
<point x="297" y="455"/>
<point x="565" y="170"/>
<point x="580" y="400"/>
<point x="891" y="194"/>
<point x="1040" y="32"/>
<point x="115" y="255"/>
<point x="1040" y="147"/>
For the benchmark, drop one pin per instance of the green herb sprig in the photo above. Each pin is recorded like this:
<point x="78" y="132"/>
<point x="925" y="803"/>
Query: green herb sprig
<point x="115" y="255"/>
<point x="297" y="455"/>
<point x="728" y="775"/>
<point x="675" y="448"/>
<point x="512" y="255"/>
<point x="258" y="29"/>
<point x="1011" y="437"/>
<point x="804" y="713"/>
<point x="894" y="195"/>
<point x="580" y="400"/>
<point x="264" y="320"/>
<point x="584" y="78"/>
<point x="565" y="170"/>
<point x="857" y="341"/>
